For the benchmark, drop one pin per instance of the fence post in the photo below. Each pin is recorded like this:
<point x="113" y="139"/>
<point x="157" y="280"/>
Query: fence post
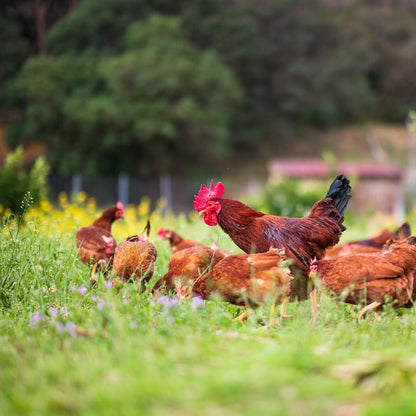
<point x="76" y="184"/>
<point x="411" y="162"/>
<point x="165" y="185"/>
<point x="123" y="188"/>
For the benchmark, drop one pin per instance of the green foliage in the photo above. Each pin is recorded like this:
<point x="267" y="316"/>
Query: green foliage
<point x="101" y="24"/>
<point x="13" y="48"/>
<point x="96" y="24"/>
<point x="157" y="99"/>
<point x="17" y="184"/>
<point x="289" y="198"/>
<point x="149" y="86"/>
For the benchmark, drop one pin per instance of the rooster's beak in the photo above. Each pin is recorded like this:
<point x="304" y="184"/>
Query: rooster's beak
<point x="202" y="212"/>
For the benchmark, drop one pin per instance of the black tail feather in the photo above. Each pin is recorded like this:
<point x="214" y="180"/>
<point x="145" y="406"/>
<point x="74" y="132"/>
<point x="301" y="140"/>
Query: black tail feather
<point x="146" y="229"/>
<point x="403" y="231"/>
<point x="340" y="192"/>
<point x="411" y="240"/>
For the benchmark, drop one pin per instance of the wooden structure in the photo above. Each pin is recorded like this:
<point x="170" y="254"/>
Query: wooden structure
<point x="376" y="186"/>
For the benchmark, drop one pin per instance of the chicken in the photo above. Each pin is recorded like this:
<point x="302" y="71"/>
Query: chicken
<point x="186" y="265"/>
<point x="135" y="258"/>
<point x="95" y="243"/>
<point x="370" y="278"/>
<point x="301" y="238"/>
<point x="176" y="241"/>
<point x="248" y="279"/>
<point x="370" y="245"/>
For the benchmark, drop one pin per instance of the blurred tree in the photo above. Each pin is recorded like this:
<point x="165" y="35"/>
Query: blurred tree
<point x="100" y="24"/>
<point x="157" y="102"/>
<point x="23" y="29"/>
<point x="13" y="49"/>
<point x="298" y="62"/>
<point x="391" y="47"/>
<point x="290" y="65"/>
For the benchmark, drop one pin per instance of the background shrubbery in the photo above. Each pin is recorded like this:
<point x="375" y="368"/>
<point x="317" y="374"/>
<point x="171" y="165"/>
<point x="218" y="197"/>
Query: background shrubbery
<point x="174" y="87"/>
<point x="16" y="182"/>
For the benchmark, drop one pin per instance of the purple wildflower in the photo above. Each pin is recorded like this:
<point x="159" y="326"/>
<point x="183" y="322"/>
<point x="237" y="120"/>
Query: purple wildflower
<point x="60" y="326"/>
<point x="108" y="284"/>
<point x="152" y="302"/>
<point x="100" y="303"/>
<point x="168" y="302"/>
<point x="73" y="287"/>
<point x="126" y="301"/>
<point x="53" y="312"/>
<point x="63" y="310"/>
<point x="83" y="290"/>
<point x="35" y="318"/>
<point x="72" y="329"/>
<point x="197" y="302"/>
<point x="94" y="298"/>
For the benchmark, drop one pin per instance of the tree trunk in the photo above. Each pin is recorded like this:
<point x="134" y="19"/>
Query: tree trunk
<point x="40" y="14"/>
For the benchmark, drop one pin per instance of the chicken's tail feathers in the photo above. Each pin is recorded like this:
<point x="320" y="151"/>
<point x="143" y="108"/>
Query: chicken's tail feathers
<point x="411" y="240"/>
<point x="403" y="231"/>
<point x="340" y="193"/>
<point x="146" y="230"/>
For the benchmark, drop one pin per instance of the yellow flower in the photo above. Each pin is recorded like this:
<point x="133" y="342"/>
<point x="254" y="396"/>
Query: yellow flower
<point x="81" y="197"/>
<point x="144" y="207"/>
<point x="161" y="203"/>
<point x="45" y="205"/>
<point x="63" y="199"/>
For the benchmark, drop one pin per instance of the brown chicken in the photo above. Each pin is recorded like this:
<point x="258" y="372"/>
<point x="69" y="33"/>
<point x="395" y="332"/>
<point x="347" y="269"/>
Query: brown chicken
<point x="95" y="243"/>
<point x="135" y="258"/>
<point x="249" y="280"/>
<point x="176" y="241"/>
<point x="370" y="245"/>
<point x="370" y="278"/>
<point x="187" y="265"/>
<point x="301" y="238"/>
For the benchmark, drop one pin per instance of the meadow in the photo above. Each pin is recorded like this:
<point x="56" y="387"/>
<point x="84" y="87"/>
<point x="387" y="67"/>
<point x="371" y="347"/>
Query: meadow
<point x="68" y="348"/>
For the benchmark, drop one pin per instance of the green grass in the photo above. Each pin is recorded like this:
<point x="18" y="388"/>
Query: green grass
<point x="131" y="356"/>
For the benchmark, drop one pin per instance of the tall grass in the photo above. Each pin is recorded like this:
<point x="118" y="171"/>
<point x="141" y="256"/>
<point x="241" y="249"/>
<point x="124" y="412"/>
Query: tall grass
<point x="67" y="348"/>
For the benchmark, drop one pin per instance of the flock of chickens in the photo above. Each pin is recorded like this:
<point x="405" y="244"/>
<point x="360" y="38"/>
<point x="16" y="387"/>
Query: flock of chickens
<point x="284" y="256"/>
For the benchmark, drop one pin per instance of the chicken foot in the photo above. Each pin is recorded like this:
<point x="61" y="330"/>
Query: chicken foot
<point x="93" y="280"/>
<point x="366" y="309"/>
<point x="240" y="318"/>
<point x="283" y="314"/>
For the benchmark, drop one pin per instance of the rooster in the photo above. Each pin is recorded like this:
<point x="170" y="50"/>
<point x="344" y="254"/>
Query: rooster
<point x="186" y="265"/>
<point x="249" y="279"/>
<point x="135" y="258"/>
<point x="370" y="278"/>
<point x="255" y="232"/>
<point x="95" y="243"/>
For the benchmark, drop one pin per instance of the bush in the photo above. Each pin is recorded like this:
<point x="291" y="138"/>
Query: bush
<point x="18" y="184"/>
<point x="289" y="198"/>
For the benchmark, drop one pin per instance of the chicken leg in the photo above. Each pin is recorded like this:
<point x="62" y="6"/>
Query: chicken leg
<point x="314" y="306"/>
<point x="366" y="309"/>
<point x="283" y="314"/>
<point x="93" y="280"/>
<point x="240" y="318"/>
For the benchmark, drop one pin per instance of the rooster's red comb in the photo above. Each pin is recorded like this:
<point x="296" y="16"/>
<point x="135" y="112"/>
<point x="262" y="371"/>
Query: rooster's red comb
<point x="205" y="194"/>
<point x="120" y="207"/>
<point x="162" y="233"/>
